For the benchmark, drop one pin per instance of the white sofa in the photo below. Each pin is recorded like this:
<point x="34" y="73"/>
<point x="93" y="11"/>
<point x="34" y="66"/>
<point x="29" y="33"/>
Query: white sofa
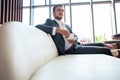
<point x="27" y="53"/>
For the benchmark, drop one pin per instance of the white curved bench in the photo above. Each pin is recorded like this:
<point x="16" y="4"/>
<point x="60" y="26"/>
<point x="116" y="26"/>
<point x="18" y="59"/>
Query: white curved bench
<point x="27" y="53"/>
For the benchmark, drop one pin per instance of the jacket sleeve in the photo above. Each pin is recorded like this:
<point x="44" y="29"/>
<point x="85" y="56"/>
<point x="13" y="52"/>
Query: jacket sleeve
<point x="46" y="27"/>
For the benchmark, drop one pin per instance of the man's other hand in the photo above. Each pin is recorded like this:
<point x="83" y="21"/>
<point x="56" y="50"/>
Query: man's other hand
<point x="71" y="40"/>
<point x="63" y="32"/>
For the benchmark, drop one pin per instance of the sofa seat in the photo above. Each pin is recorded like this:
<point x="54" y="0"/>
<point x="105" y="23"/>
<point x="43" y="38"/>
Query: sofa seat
<point x="80" y="67"/>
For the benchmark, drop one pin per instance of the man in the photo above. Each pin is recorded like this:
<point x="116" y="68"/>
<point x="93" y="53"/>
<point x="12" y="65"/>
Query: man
<point x="61" y="34"/>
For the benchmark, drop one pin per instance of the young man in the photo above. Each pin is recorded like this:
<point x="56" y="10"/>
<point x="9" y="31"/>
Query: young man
<point x="61" y="34"/>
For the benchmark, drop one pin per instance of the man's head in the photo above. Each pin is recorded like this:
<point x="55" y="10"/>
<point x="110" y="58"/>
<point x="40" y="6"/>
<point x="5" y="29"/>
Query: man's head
<point x="58" y="12"/>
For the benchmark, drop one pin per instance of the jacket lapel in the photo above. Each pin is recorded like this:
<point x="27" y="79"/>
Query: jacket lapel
<point x="55" y="24"/>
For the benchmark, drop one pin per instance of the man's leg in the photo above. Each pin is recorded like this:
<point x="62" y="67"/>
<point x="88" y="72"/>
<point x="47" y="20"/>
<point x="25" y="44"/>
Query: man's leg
<point x="90" y="50"/>
<point x="99" y="44"/>
<point x="94" y="44"/>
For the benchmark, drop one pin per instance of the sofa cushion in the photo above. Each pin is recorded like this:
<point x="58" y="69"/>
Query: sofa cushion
<point x="80" y="67"/>
<point x="23" y="49"/>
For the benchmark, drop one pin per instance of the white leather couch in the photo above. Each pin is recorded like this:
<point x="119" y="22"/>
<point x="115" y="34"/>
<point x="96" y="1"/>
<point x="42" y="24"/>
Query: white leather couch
<point x="27" y="53"/>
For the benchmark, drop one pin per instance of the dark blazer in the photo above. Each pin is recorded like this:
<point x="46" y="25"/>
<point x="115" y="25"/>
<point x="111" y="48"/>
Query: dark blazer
<point x="58" y="38"/>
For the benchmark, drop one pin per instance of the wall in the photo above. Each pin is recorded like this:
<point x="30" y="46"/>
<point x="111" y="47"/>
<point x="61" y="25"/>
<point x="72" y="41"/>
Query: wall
<point x="0" y="10"/>
<point x="10" y="10"/>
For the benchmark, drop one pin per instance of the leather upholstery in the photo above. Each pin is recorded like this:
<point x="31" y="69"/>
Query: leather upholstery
<point x="23" y="49"/>
<point x="27" y="53"/>
<point x="80" y="67"/>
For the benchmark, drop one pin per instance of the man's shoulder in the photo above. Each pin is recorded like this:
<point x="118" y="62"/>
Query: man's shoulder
<point x="48" y="20"/>
<point x="51" y="22"/>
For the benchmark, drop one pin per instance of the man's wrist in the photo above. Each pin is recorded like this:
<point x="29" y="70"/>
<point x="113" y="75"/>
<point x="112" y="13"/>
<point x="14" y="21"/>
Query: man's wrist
<point x="57" y="30"/>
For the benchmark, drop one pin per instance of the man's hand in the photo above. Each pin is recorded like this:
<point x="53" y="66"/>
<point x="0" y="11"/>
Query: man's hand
<point x="108" y="45"/>
<point x="63" y="32"/>
<point x="71" y="40"/>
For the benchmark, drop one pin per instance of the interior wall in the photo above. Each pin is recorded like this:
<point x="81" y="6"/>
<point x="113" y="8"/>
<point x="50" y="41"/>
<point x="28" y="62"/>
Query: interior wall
<point x="11" y="10"/>
<point x="0" y="10"/>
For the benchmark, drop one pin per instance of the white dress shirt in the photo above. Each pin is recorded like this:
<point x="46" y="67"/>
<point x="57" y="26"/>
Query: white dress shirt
<point x="62" y="26"/>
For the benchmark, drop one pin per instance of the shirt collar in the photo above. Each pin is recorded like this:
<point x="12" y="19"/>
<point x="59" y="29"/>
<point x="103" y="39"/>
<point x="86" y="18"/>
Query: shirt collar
<point x="58" y="21"/>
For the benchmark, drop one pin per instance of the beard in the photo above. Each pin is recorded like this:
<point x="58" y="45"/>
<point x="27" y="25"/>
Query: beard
<point x="58" y="18"/>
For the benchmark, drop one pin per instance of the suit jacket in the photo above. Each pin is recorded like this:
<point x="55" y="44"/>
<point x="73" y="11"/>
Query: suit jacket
<point x="57" y="38"/>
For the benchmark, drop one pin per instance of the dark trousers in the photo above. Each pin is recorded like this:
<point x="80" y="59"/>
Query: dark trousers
<point x="95" y="48"/>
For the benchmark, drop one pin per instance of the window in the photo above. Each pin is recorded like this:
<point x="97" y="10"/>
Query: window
<point x="67" y="15"/>
<point x="59" y="1"/>
<point x="74" y="1"/>
<point x="26" y="2"/>
<point x="81" y="21"/>
<point x="118" y="16"/>
<point x="40" y="15"/>
<point x="101" y="0"/>
<point x="26" y="16"/>
<point x="39" y="2"/>
<point x="102" y="22"/>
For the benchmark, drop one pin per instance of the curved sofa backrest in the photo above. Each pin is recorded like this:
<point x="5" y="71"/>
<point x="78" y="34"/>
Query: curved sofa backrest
<point x="23" y="49"/>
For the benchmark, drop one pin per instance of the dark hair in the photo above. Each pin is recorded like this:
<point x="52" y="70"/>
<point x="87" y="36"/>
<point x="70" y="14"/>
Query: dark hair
<point x="58" y="5"/>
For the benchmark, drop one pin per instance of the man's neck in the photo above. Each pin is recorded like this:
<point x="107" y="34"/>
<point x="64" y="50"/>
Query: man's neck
<point x="57" y="19"/>
<point x="61" y="23"/>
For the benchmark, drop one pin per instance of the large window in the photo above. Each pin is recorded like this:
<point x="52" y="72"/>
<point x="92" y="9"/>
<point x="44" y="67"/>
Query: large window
<point x="74" y="1"/>
<point x="81" y="21"/>
<point x="59" y="1"/>
<point x="26" y="17"/>
<point x="41" y="14"/>
<point x="102" y="22"/>
<point x="101" y="0"/>
<point x="94" y="20"/>
<point x="118" y="16"/>
<point x="26" y="2"/>
<point x="40" y="2"/>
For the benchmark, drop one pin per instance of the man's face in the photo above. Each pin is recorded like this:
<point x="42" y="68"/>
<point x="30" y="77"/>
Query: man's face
<point x="58" y="14"/>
